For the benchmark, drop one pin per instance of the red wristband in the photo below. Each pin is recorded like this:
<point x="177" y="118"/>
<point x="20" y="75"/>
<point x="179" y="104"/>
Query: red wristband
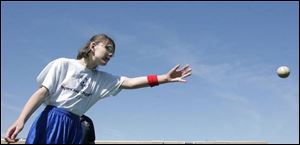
<point x="152" y="80"/>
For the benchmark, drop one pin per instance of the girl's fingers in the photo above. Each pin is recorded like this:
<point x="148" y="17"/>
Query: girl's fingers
<point x="175" y="68"/>
<point x="187" y="74"/>
<point x="185" y="68"/>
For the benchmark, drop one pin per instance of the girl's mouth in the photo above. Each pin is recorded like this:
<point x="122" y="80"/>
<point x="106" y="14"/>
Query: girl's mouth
<point x="106" y="59"/>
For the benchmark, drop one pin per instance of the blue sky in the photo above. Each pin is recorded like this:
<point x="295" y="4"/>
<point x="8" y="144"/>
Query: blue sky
<point x="234" y="49"/>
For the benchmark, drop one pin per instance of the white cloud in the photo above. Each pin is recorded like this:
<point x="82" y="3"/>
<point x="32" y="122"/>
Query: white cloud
<point x="9" y="108"/>
<point x="111" y="133"/>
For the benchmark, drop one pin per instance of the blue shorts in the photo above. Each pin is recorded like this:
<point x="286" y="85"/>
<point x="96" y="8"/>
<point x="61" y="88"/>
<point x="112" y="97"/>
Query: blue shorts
<point x="55" y="126"/>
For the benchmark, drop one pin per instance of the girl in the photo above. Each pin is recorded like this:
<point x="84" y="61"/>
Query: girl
<point x="69" y="87"/>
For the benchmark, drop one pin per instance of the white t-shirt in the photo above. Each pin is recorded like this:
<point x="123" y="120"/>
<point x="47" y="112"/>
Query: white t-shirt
<point x="74" y="87"/>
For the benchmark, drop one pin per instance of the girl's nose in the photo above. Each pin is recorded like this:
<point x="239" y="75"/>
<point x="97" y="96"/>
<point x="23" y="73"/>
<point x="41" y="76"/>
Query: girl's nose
<point x="110" y="54"/>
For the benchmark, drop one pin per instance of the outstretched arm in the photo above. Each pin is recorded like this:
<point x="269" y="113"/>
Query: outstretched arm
<point x="173" y="75"/>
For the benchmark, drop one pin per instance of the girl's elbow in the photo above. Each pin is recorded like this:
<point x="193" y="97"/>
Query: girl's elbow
<point x="127" y="84"/>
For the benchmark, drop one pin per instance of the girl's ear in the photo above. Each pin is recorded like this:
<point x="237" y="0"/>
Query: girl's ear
<point x="92" y="45"/>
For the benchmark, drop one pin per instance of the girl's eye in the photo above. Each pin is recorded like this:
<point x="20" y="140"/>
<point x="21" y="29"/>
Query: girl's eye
<point x="110" y="49"/>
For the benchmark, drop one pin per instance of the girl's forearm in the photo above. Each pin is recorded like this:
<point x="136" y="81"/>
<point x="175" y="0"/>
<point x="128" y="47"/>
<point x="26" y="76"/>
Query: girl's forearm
<point x="140" y="82"/>
<point x="32" y="104"/>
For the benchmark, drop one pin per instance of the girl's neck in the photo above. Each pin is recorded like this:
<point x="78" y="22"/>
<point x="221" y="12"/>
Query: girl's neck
<point x="87" y="63"/>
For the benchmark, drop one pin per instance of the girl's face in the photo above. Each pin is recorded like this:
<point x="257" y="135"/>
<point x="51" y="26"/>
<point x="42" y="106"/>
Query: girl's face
<point x="102" y="52"/>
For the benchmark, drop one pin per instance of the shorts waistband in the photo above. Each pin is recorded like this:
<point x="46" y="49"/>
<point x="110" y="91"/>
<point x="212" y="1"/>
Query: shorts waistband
<point x="61" y="110"/>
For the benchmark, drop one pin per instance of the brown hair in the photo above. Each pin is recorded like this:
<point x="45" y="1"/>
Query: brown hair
<point x="84" y="51"/>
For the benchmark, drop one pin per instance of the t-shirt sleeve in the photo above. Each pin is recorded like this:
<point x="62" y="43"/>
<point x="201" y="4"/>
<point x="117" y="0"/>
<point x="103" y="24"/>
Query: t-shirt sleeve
<point x="48" y="77"/>
<point x="111" y="84"/>
<point x="117" y="86"/>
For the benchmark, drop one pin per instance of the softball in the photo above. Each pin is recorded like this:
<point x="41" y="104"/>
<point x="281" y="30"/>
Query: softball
<point x="283" y="71"/>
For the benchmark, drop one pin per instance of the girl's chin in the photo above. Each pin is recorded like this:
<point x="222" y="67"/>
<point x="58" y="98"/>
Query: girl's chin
<point x="103" y="62"/>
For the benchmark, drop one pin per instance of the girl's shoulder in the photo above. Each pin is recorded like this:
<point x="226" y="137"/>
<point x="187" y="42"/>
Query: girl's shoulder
<point x="64" y="60"/>
<point x="61" y="62"/>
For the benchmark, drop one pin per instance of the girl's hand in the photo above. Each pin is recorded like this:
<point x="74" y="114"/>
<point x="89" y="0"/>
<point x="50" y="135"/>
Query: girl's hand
<point x="178" y="76"/>
<point x="13" y="131"/>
